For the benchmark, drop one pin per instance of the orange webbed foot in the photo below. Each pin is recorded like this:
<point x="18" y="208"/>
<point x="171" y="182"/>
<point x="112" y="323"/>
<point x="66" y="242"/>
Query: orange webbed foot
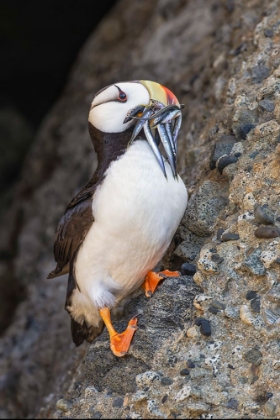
<point x="120" y="342"/>
<point x="152" y="279"/>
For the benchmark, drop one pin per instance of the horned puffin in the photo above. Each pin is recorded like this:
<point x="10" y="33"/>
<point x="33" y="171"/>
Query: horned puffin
<point x="119" y="226"/>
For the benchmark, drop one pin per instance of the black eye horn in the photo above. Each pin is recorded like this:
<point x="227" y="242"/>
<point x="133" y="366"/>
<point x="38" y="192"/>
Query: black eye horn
<point x="122" y="95"/>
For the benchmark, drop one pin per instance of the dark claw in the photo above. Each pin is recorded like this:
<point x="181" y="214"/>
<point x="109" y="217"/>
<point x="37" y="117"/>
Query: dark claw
<point x="136" y="316"/>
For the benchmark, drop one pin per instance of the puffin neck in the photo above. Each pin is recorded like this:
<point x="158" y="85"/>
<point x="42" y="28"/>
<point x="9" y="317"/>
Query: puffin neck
<point x="108" y="146"/>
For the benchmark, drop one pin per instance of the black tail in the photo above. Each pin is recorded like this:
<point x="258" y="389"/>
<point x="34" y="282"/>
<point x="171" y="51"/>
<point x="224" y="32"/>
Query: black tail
<point x="81" y="332"/>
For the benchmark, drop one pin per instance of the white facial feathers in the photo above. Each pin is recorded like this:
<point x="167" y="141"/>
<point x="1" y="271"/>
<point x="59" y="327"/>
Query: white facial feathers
<point x="107" y="112"/>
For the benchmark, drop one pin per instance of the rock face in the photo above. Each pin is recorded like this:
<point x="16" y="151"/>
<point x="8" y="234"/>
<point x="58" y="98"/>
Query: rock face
<point x="208" y="346"/>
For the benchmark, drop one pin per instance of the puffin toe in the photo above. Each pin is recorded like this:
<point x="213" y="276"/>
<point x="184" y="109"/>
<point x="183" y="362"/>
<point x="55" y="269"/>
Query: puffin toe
<point x="152" y="280"/>
<point x="120" y="342"/>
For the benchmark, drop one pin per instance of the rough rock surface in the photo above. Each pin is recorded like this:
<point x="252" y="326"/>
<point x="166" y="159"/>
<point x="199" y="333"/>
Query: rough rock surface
<point x="222" y="60"/>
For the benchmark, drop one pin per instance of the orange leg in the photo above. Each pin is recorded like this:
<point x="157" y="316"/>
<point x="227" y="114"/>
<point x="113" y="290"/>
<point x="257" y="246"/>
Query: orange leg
<point x="119" y="343"/>
<point x="152" y="279"/>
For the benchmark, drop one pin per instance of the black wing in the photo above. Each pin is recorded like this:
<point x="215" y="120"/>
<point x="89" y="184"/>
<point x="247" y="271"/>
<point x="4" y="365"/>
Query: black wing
<point x="72" y="229"/>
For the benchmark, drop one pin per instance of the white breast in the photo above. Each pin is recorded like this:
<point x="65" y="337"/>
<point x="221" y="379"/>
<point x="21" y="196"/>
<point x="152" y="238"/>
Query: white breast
<point x="136" y="213"/>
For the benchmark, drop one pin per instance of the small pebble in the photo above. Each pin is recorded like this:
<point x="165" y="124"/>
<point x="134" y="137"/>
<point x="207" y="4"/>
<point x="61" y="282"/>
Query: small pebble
<point x="198" y="321"/>
<point x="220" y="231"/>
<point x="267" y="232"/>
<point x="192" y="332"/>
<point x="255" y="305"/>
<point x="251" y="295"/>
<point x="254" y="356"/>
<point x="184" y="372"/>
<point x="95" y="414"/>
<point x="270" y="409"/>
<point x="244" y="129"/>
<point x="213" y="310"/>
<point x="213" y="250"/>
<point x="224" y="161"/>
<point x="230" y="366"/>
<point x="262" y="216"/>
<point x="254" y="154"/>
<point x="118" y="402"/>
<point x="268" y="33"/>
<point x="205" y="327"/>
<point x="188" y="269"/>
<point x="63" y="405"/>
<point x="228" y="236"/>
<point x="218" y="305"/>
<point x="190" y="364"/>
<point x="232" y="404"/>
<point x="223" y="147"/>
<point x="217" y="258"/>
<point x="267" y="105"/>
<point x="166" y="381"/>
<point x="245" y="315"/>
<point x="164" y="398"/>
<point x="259" y="73"/>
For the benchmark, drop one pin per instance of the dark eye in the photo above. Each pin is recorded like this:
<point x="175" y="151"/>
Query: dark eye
<point x="122" y="96"/>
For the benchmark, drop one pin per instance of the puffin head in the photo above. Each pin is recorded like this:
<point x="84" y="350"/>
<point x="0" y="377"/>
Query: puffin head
<point x="142" y="104"/>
